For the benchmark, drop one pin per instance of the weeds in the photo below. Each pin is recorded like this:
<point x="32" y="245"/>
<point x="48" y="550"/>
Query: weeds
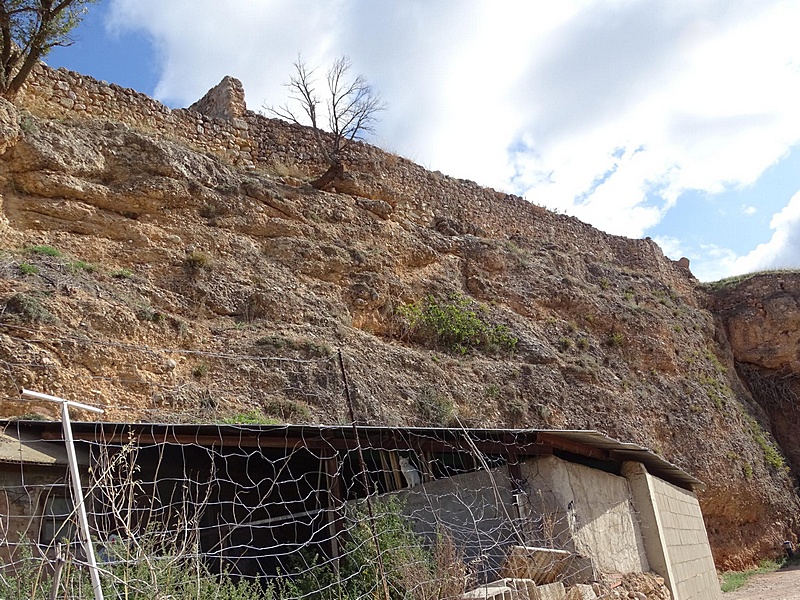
<point x="434" y="409"/>
<point x="288" y="411"/>
<point x="410" y="569"/>
<point x="44" y="250"/>
<point x="456" y="324"/>
<point x="28" y="308"/>
<point x="145" y="312"/>
<point x="493" y="391"/>
<point x="76" y="266"/>
<point x="200" y="370"/>
<point x="196" y="261"/>
<point x="616" y="339"/>
<point x="733" y="580"/>
<point x="771" y="454"/>
<point x="28" y="269"/>
<point x="250" y="417"/>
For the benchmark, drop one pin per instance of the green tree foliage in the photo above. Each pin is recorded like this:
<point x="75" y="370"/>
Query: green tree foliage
<point x="28" y="30"/>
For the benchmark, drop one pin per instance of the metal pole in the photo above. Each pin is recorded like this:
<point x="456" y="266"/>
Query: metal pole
<point x="75" y="475"/>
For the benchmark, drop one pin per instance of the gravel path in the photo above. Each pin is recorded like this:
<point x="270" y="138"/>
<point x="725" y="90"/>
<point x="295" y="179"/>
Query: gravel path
<point x="780" y="585"/>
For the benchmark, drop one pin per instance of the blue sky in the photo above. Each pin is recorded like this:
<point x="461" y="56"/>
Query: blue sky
<point x="677" y="120"/>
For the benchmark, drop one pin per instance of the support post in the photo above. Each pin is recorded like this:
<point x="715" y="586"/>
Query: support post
<point x="335" y="503"/>
<point x="75" y="476"/>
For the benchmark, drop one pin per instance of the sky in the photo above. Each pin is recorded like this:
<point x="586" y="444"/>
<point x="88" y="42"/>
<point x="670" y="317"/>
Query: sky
<point x="678" y="120"/>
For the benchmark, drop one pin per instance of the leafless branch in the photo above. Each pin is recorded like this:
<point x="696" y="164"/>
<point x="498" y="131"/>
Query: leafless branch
<point x="352" y="108"/>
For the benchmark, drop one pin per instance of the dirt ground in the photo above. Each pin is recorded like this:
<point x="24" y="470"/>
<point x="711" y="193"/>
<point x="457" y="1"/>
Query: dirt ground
<point x="780" y="585"/>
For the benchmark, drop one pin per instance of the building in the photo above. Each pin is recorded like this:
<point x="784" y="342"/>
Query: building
<point x="260" y="499"/>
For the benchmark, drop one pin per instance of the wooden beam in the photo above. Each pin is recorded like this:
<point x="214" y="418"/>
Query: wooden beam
<point x="570" y="446"/>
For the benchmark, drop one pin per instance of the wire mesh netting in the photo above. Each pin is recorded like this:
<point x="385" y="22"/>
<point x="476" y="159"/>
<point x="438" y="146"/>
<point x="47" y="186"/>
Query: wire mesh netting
<point x="274" y="512"/>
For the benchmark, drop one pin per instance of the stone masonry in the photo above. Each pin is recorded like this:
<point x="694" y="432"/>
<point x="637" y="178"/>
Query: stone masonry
<point x="221" y="124"/>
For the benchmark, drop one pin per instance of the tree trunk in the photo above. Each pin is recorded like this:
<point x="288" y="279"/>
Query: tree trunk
<point x="324" y="181"/>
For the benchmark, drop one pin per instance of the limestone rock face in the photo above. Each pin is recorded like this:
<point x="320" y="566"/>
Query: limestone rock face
<point x="167" y="284"/>
<point x="9" y="125"/>
<point x="761" y="318"/>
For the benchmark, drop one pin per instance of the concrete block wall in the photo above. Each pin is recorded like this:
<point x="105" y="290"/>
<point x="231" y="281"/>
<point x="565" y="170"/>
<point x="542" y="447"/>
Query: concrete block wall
<point x="476" y="509"/>
<point x="21" y="504"/>
<point x="675" y="535"/>
<point x="686" y="542"/>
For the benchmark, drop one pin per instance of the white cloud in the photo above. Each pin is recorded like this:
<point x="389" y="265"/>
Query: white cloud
<point x="749" y="210"/>
<point x="608" y="110"/>
<point x="783" y="248"/>
<point x="672" y="247"/>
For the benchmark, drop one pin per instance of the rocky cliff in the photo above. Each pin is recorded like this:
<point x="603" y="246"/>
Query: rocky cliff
<point x="170" y="283"/>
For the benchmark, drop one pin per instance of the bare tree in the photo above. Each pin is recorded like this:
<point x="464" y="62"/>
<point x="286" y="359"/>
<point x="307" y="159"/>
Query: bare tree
<point x="28" y="30"/>
<point x="351" y="108"/>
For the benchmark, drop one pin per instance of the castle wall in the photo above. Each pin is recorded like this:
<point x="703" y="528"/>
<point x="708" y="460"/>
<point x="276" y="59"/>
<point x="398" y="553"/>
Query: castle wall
<point x="221" y="124"/>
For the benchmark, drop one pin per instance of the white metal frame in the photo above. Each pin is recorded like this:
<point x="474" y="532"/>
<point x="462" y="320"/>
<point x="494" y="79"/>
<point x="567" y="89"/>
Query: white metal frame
<point x="75" y="476"/>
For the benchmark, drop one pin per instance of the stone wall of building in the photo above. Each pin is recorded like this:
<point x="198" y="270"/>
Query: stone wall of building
<point x="62" y="94"/>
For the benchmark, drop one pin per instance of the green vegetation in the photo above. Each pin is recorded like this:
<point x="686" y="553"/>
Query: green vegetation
<point x="196" y="261"/>
<point x="75" y="266"/>
<point x="44" y="250"/>
<point x="456" y="323"/>
<point x="250" y="417"/>
<point x="410" y="569"/>
<point x="718" y="391"/>
<point x="140" y="571"/>
<point x="145" y="312"/>
<point x="28" y="308"/>
<point x="287" y="410"/>
<point x="616" y="339"/>
<point x="733" y="580"/>
<point x="32" y="28"/>
<point x="200" y="370"/>
<point x="492" y="391"/>
<point x="714" y="360"/>
<point x="28" y="269"/>
<point x="121" y="273"/>
<point x="434" y="409"/>
<point x="771" y="454"/>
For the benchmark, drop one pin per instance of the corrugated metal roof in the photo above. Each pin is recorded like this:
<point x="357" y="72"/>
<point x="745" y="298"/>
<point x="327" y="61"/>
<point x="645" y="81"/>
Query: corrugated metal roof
<point x="18" y="446"/>
<point x="623" y="451"/>
<point x="589" y="443"/>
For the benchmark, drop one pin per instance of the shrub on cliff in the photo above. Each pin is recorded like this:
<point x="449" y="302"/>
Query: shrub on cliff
<point x="456" y="323"/>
